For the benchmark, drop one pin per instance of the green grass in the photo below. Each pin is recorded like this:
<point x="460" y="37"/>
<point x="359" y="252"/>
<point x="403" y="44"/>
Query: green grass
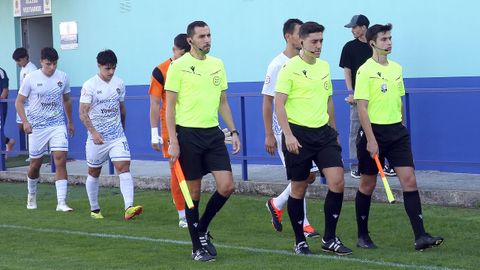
<point x="45" y="239"/>
<point x="16" y="161"/>
<point x="19" y="161"/>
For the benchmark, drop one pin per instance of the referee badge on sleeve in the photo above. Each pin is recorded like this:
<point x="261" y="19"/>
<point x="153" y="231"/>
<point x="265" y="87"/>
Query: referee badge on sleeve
<point x="216" y="80"/>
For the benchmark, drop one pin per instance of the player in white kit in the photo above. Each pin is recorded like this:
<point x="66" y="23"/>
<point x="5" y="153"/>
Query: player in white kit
<point x="21" y="58"/>
<point x="102" y="111"/>
<point x="47" y="92"/>
<point x="273" y="131"/>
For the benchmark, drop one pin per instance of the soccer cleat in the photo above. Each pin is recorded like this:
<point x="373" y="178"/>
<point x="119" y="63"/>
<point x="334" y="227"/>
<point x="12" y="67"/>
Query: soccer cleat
<point x="202" y="255"/>
<point x="133" y="211"/>
<point x="206" y="243"/>
<point x="310" y="232"/>
<point x="302" y="249"/>
<point x="32" y="201"/>
<point x="276" y="215"/>
<point x="335" y="246"/>
<point x="389" y="171"/>
<point x="427" y="241"/>
<point x="182" y="223"/>
<point x="364" y="241"/>
<point x="96" y="214"/>
<point x="355" y="174"/>
<point x="63" y="207"/>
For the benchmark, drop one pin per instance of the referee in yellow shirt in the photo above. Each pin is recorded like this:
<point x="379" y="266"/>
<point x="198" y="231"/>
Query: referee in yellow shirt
<point x="195" y="93"/>
<point x="304" y="108"/>
<point x="378" y="91"/>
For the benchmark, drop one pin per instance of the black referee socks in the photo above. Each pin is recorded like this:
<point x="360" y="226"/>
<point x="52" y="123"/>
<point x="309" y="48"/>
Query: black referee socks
<point x="192" y="221"/>
<point x="332" y="209"/>
<point x="214" y="205"/>
<point x="362" y="210"/>
<point x="296" y="214"/>
<point x="413" y="207"/>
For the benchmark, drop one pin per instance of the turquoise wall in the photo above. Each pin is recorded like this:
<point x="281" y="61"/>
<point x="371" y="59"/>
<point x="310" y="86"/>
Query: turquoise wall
<point x="431" y="38"/>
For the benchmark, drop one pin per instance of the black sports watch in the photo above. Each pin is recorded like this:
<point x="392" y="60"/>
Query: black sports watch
<point x="234" y="132"/>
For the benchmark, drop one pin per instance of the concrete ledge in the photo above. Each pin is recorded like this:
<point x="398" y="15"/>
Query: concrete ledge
<point x="432" y="197"/>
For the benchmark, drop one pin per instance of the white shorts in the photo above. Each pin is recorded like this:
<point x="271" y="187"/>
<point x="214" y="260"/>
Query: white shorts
<point x="116" y="150"/>
<point x="40" y="140"/>
<point x="278" y="137"/>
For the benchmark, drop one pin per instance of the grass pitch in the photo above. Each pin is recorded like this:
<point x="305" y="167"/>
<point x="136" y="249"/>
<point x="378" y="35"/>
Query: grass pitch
<point x="243" y="235"/>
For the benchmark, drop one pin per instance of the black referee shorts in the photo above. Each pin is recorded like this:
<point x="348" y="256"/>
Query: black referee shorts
<point x="393" y="143"/>
<point x="318" y="145"/>
<point x="202" y="150"/>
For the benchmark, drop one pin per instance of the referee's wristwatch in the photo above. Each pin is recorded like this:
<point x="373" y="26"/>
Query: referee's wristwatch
<point x="234" y="132"/>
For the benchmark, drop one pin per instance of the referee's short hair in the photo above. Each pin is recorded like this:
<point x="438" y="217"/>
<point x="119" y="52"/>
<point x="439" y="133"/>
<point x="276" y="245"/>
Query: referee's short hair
<point x="289" y="26"/>
<point x="180" y="42"/>
<point x="192" y="25"/>
<point x="107" y="58"/>
<point x="310" y="27"/>
<point x="372" y="32"/>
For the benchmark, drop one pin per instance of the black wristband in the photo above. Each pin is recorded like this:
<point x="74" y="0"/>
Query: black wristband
<point x="234" y="132"/>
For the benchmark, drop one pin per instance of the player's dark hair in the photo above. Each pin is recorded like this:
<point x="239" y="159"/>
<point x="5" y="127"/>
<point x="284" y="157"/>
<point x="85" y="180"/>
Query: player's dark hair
<point x="192" y="25"/>
<point x="180" y="42"/>
<point x="107" y="58"/>
<point x="289" y="26"/>
<point x="372" y="32"/>
<point x="310" y="27"/>
<point x="19" y="53"/>
<point x="49" y="54"/>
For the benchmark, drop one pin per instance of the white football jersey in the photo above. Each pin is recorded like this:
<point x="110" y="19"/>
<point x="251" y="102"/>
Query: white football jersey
<point x="45" y="98"/>
<point x="26" y="70"/>
<point x="104" y="98"/>
<point x="270" y="82"/>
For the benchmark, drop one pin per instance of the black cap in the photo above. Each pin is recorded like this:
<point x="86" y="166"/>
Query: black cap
<point x="359" y="20"/>
<point x="377" y="28"/>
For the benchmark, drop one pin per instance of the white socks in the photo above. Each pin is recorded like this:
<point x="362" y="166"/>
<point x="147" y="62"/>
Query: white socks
<point x="126" y="187"/>
<point x="32" y="185"/>
<point x="181" y="214"/>
<point x="280" y="201"/>
<point x="61" y="186"/>
<point x="305" y="219"/>
<point x="92" y="191"/>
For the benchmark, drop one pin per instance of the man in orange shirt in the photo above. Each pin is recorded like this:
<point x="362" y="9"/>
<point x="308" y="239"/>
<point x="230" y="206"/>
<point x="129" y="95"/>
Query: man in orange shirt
<point x="157" y="96"/>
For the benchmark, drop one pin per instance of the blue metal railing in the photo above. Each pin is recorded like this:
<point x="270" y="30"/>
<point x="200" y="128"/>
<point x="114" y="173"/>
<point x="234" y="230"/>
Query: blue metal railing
<point x="244" y="156"/>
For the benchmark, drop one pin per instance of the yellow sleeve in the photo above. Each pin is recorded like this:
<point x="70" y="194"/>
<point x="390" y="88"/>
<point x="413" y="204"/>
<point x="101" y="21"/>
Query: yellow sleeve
<point x="401" y="84"/>
<point x="362" y="89"/>
<point x="174" y="78"/>
<point x="328" y="83"/>
<point x="223" y="79"/>
<point x="284" y="81"/>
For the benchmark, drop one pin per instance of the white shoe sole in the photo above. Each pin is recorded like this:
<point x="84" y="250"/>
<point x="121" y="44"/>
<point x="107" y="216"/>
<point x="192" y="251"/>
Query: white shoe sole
<point x="63" y="208"/>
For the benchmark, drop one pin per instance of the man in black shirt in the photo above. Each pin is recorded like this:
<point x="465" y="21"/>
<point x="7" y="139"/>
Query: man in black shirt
<point x="354" y="54"/>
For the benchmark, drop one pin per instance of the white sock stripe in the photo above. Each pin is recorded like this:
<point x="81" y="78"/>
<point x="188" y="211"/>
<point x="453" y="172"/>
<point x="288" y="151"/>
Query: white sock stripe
<point x="248" y="249"/>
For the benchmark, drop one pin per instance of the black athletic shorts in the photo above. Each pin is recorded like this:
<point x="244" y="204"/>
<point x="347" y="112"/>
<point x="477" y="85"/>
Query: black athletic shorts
<point x="393" y="143"/>
<point x="202" y="150"/>
<point x="318" y="145"/>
